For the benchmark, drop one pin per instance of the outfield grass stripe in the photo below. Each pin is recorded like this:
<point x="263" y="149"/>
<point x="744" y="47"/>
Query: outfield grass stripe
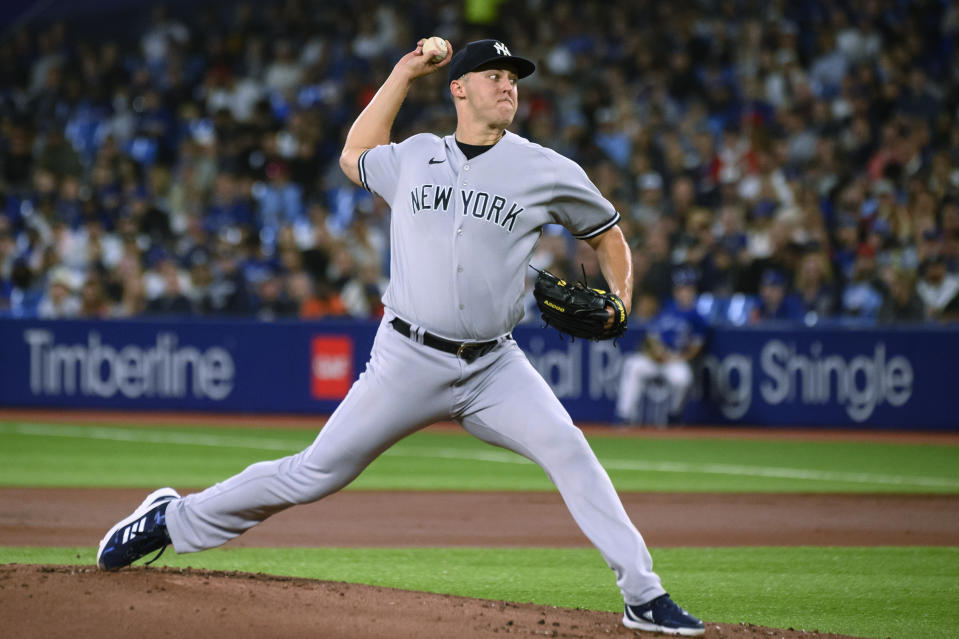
<point x="148" y="437"/>
<point x="140" y="435"/>
<point x="708" y="469"/>
<point x="784" y="473"/>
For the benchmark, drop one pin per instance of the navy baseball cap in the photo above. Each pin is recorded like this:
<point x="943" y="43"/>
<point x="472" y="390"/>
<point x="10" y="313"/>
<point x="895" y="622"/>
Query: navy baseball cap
<point x="685" y="276"/>
<point x="476" y="54"/>
<point x="773" y="277"/>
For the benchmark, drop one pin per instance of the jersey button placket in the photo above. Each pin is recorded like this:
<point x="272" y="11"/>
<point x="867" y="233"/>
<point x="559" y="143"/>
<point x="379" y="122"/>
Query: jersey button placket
<point x="459" y="235"/>
<point x="459" y="267"/>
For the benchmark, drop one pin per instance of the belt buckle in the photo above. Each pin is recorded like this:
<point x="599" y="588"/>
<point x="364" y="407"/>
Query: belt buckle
<point x="461" y="350"/>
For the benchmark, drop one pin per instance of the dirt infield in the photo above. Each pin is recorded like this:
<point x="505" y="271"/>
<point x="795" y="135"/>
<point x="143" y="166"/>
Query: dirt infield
<point x="147" y="602"/>
<point x="79" y="517"/>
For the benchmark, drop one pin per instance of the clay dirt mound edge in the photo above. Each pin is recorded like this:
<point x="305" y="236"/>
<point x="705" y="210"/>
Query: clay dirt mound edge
<point x="81" y="601"/>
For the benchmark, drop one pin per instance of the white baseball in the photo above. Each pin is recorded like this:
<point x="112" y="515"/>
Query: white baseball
<point x="435" y="47"/>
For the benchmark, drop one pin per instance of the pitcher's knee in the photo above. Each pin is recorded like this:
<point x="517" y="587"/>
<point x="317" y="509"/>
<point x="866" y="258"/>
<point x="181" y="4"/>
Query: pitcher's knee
<point x="310" y="480"/>
<point x="564" y="449"/>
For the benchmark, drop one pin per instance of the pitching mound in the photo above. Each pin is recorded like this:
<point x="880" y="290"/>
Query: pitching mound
<point x="80" y="601"/>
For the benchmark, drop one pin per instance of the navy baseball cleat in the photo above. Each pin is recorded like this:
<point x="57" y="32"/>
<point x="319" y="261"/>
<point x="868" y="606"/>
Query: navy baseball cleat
<point x="139" y="534"/>
<point x="663" y="615"/>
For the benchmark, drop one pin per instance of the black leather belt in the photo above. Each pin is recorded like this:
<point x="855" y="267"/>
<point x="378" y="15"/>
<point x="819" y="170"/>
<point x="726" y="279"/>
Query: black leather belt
<point x="468" y="351"/>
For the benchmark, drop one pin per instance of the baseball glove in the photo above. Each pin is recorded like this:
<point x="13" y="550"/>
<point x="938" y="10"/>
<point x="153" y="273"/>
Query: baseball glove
<point x="577" y="310"/>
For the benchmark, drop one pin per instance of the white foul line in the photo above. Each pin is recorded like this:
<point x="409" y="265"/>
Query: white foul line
<point x="148" y="437"/>
<point x="494" y="456"/>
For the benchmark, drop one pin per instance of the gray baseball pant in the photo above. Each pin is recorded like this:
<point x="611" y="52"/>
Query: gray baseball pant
<point x="499" y="398"/>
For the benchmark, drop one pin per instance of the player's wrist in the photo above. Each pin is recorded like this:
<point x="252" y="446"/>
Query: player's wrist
<point x="626" y="302"/>
<point x="408" y="69"/>
<point x="401" y="76"/>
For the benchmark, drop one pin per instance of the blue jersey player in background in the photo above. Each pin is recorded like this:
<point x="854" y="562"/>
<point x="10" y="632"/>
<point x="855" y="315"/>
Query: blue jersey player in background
<point x="674" y="338"/>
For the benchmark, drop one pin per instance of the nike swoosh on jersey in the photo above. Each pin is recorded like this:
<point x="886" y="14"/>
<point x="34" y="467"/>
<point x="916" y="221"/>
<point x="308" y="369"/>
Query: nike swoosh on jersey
<point x="435" y="161"/>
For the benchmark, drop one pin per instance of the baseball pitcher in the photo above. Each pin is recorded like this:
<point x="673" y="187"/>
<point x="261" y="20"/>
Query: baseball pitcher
<point x="466" y="212"/>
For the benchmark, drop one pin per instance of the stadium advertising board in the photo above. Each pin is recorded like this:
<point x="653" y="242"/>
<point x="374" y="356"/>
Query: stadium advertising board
<point x="897" y="378"/>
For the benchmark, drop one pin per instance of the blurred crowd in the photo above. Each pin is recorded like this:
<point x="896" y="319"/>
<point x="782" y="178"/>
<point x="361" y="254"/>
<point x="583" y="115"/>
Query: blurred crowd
<point x="801" y="157"/>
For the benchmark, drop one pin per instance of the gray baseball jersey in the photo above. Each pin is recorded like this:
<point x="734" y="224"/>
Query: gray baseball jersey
<point x="463" y="230"/>
<point x="462" y="235"/>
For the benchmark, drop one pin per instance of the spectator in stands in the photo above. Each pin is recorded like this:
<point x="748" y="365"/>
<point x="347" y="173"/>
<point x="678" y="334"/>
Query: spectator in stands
<point x="272" y="301"/>
<point x="93" y="300"/>
<point x="367" y="242"/>
<point x="697" y="241"/>
<point x="129" y="290"/>
<point x="171" y="298"/>
<point x="847" y="243"/>
<point x="950" y="314"/>
<point x="59" y="300"/>
<point x="148" y="128"/>
<point x="279" y="202"/>
<point x="863" y="294"/>
<point x="7" y="260"/>
<point x="655" y="263"/>
<point x="937" y="287"/>
<point x="341" y="267"/>
<point x="229" y="210"/>
<point x="26" y="290"/>
<point x="814" y="287"/>
<point x="315" y="240"/>
<point x="774" y="302"/>
<point x="721" y="268"/>
<point x="313" y="302"/>
<point x="903" y="303"/>
<point x="760" y="231"/>
<point x="362" y="294"/>
<point x="673" y="341"/>
<point x="646" y="306"/>
<point x="102" y="249"/>
<point x="949" y="219"/>
<point x="649" y="208"/>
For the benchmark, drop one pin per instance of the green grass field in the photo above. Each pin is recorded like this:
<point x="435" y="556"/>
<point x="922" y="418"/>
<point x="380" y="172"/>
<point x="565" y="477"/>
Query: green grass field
<point x="904" y="593"/>
<point x="65" y="455"/>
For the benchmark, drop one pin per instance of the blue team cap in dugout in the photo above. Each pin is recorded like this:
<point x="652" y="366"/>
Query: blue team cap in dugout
<point x="685" y="276"/>
<point x="476" y="54"/>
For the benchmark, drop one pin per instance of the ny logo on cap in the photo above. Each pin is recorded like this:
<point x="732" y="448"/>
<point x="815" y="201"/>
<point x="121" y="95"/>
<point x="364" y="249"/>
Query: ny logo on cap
<point x="501" y="49"/>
